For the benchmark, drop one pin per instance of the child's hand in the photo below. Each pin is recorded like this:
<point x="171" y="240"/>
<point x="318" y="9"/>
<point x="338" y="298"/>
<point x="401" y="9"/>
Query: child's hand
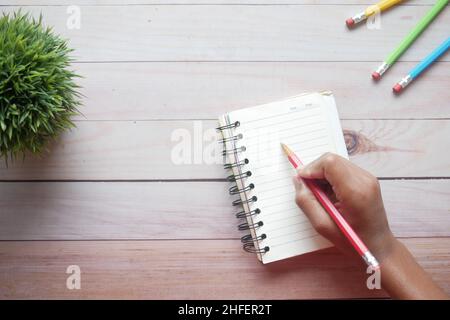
<point x="355" y="193"/>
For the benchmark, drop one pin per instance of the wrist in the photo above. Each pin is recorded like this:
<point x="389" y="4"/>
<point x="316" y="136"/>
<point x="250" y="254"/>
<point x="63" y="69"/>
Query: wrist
<point x="403" y="278"/>
<point x="384" y="246"/>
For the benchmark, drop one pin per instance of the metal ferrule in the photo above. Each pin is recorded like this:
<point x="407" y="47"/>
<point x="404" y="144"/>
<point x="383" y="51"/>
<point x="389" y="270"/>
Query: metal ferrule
<point x="370" y="260"/>
<point x="359" y="17"/>
<point x="405" y="81"/>
<point x="382" y="69"/>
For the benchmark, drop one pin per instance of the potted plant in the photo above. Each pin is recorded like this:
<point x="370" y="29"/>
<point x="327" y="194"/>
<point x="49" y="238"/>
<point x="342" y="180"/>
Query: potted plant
<point x="38" y="94"/>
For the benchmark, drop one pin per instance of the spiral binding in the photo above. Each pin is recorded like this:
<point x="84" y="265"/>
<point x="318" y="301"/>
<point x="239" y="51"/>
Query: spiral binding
<point x="235" y="190"/>
<point x="237" y="164"/>
<point x="239" y="176"/>
<point x="247" y="240"/>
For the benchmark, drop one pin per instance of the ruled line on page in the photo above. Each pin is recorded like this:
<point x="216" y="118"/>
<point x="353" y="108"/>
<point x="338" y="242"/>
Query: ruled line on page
<point x="309" y="130"/>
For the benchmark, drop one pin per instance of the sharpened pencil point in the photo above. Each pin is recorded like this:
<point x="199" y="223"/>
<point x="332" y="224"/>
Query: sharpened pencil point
<point x="286" y="149"/>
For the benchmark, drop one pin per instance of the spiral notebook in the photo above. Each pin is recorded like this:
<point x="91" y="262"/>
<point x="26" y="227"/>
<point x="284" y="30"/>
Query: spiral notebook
<point x="262" y="175"/>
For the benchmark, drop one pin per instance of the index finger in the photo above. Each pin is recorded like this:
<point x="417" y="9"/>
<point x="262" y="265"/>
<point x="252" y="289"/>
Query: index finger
<point x="329" y="166"/>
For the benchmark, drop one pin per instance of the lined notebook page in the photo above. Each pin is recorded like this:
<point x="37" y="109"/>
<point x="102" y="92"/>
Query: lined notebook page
<point x="309" y="125"/>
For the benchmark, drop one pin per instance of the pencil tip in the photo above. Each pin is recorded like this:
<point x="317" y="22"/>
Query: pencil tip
<point x="285" y="148"/>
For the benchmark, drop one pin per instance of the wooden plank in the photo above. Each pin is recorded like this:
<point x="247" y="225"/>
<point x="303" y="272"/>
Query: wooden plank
<point x="154" y="210"/>
<point x="197" y="2"/>
<point x="417" y="206"/>
<point x="238" y="33"/>
<point x="192" y="270"/>
<point x="142" y="91"/>
<point x="127" y="150"/>
<point x="125" y="210"/>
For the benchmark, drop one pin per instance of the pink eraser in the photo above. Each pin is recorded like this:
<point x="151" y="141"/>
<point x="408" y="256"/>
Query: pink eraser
<point x="376" y="76"/>
<point x="397" y="88"/>
<point x="349" y="22"/>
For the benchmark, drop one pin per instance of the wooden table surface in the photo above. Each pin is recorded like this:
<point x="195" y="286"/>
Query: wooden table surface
<point x="109" y="199"/>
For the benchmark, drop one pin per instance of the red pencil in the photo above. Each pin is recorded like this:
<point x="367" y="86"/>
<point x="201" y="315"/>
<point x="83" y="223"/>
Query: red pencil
<point x="343" y="225"/>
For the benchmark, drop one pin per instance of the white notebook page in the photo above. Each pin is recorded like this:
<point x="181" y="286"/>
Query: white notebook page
<point x="309" y="125"/>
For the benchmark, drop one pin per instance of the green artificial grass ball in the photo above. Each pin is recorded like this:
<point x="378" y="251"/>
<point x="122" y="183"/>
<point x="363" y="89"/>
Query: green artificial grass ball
<point x="38" y="95"/>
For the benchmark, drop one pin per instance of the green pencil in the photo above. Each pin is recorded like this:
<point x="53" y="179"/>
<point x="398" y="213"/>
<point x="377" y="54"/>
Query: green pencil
<point x="410" y="38"/>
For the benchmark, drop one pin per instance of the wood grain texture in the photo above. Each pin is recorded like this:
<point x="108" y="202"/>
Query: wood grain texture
<point x="158" y="90"/>
<point x="239" y="33"/>
<point x="127" y="150"/>
<point x="180" y="210"/>
<point x="192" y="270"/>
<point x="150" y="67"/>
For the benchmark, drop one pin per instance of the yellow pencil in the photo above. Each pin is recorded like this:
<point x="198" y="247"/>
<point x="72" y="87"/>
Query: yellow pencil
<point x="371" y="10"/>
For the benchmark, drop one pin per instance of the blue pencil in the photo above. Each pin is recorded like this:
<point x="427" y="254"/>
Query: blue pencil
<point x="425" y="63"/>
